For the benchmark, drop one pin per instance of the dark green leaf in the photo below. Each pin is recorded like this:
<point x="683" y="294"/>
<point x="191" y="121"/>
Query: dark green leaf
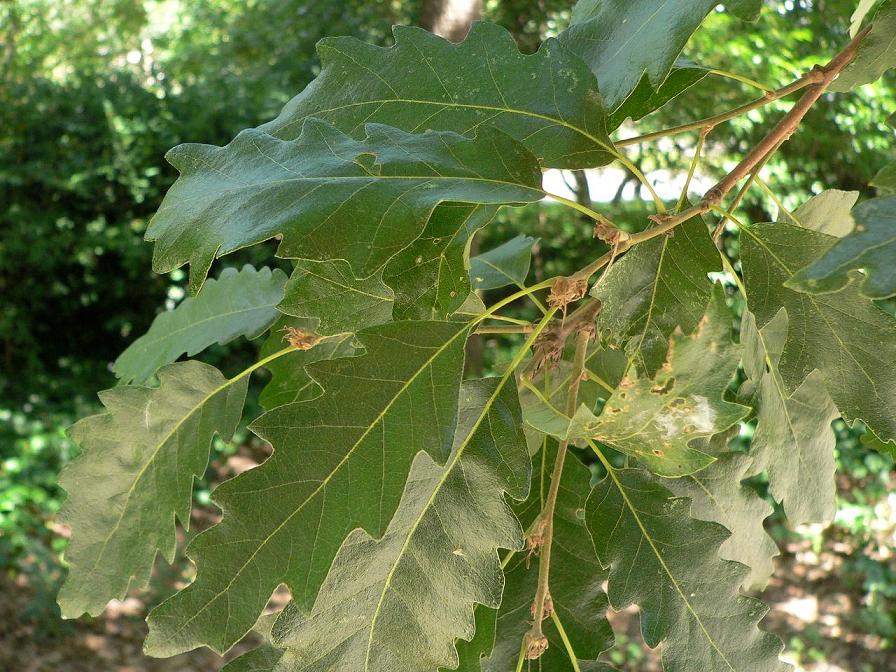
<point x="507" y="264"/>
<point x="576" y="579"/>
<point x="644" y="99"/>
<point x="667" y="563"/>
<point x="657" y="286"/>
<point x="238" y="303"/>
<point x="340" y="462"/>
<point x="327" y="195"/>
<point x="430" y="277"/>
<point x="426" y="82"/>
<point x="875" y="55"/>
<point x="843" y="334"/>
<point x="870" y="247"/>
<point x="399" y="602"/>
<point x="800" y="420"/>
<point x="622" y="39"/>
<point x="135" y="475"/>
<point x="329" y="292"/>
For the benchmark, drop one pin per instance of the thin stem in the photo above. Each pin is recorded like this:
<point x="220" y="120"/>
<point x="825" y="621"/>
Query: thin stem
<point x="522" y="659"/>
<point x="726" y="262"/>
<point x="682" y="199"/>
<point x="741" y="78"/>
<point x="777" y="201"/>
<point x="510" y="320"/>
<point x="624" y="160"/>
<point x="506" y="329"/>
<point x="547" y="515"/>
<point x="574" y="661"/>
<point x="596" y="216"/>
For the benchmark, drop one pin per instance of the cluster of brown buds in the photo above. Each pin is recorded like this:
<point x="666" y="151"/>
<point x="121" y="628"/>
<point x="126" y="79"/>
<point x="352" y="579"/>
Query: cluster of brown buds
<point x="566" y="290"/>
<point x="301" y="339"/>
<point x="608" y="233"/>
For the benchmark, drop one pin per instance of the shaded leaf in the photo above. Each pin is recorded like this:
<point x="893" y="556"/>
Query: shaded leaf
<point x="667" y="563"/>
<point x="507" y="264"/>
<point x="576" y="579"/>
<point x="659" y="285"/>
<point x="135" y="475"/>
<point x="717" y="495"/>
<point x="430" y="276"/>
<point x="238" y="303"/>
<point x="793" y="440"/>
<point x="329" y="292"/>
<point x="875" y="55"/>
<point x="340" y="462"/>
<point x="748" y="10"/>
<point x="399" y="602"/>
<point x="470" y="653"/>
<point x="425" y="82"/>
<point x="264" y="657"/>
<point x="828" y="212"/>
<point x="645" y="99"/>
<point x="657" y="421"/>
<point x="843" y="334"/>
<point x="871" y="247"/>
<point x="622" y="39"/>
<point x="885" y="180"/>
<point x="327" y="195"/>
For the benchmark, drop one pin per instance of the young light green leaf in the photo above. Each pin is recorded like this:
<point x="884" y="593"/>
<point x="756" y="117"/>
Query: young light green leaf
<point x="290" y="382"/>
<point x="507" y="264"/>
<point x="870" y="247"/>
<point x="329" y="196"/>
<point x="667" y="563"/>
<point x="885" y="180"/>
<point x="135" y="475"/>
<point x="238" y="303"/>
<point x="576" y="579"/>
<point x="800" y="420"/>
<point x="657" y="420"/>
<point x="843" y="334"/>
<point x="622" y="39"/>
<point x="828" y="212"/>
<point x="717" y="495"/>
<point x="858" y="16"/>
<point x="399" y="602"/>
<point x="329" y="292"/>
<point x="430" y="276"/>
<point x="425" y="82"/>
<point x="340" y="462"/>
<point x="659" y="285"/>
<point x="645" y="99"/>
<point x="875" y="55"/>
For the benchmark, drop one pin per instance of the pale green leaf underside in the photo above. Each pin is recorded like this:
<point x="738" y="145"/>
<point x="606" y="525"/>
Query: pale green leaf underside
<point x="659" y="285"/>
<point x="135" y="474"/>
<point x="843" y="334"/>
<point x="622" y="39"/>
<point x="875" y="55"/>
<point x="238" y="303"/>
<point x="328" y="292"/>
<point x="828" y="212"/>
<point x="667" y="563"/>
<point x="327" y="195"/>
<point x="340" y="462"/>
<point x="870" y="247"/>
<point x="507" y="264"/>
<point x="430" y="277"/>
<point x="399" y="602"/>
<point x="576" y="578"/>
<point x="425" y="82"/>
<point x="800" y="420"/>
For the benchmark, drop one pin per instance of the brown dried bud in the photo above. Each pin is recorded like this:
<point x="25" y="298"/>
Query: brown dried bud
<point x="608" y="233"/>
<point x="536" y="645"/>
<point x="566" y="290"/>
<point x="301" y="339"/>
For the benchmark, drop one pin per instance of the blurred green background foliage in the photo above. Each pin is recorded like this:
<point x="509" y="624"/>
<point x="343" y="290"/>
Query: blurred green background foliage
<point x="94" y="92"/>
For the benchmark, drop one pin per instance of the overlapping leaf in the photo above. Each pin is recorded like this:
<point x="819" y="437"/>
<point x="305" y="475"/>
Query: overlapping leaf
<point x="340" y="462"/>
<point x="135" y="475"/>
<point x="885" y="180"/>
<point x="328" y="292"/>
<point x="871" y="247"/>
<point x="828" y="212"/>
<point x="843" y="334"/>
<point x="667" y="563"/>
<point x="659" y="285"/>
<point x="327" y="195"/>
<point x="507" y="264"/>
<point x="793" y="441"/>
<point x="238" y="303"/>
<point x="717" y="495"/>
<point x="657" y="420"/>
<point x="576" y="580"/>
<point x="645" y="99"/>
<point x="399" y="602"/>
<point x="425" y="82"/>
<point x="622" y="39"/>
<point x="875" y="55"/>
<point x="430" y="277"/>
